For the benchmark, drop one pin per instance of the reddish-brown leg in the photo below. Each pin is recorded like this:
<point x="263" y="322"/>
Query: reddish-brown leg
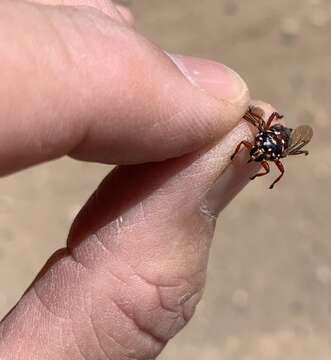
<point x="305" y="152"/>
<point x="273" y="116"/>
<point x="266" y="168"/>
<point x="247" y="144"/>
<point x="255" y="119"/>
<point x="281" y="169"/>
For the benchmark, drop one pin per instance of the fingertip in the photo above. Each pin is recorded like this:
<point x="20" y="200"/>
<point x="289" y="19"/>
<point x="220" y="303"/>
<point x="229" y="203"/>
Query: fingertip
<point x="217" y="79"/>
<point x="126" y="14"/>
<point x="235" y="173"/>
<point x="219" y="82"/>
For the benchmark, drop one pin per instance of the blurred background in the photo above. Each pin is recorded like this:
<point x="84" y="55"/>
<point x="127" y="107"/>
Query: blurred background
<point x="268" y="293"/>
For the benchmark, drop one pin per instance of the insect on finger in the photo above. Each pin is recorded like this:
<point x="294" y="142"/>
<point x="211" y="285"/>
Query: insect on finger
<point x="274" y="142"/>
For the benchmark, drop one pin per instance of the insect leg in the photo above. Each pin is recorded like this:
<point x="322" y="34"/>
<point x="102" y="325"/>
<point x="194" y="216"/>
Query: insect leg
<point x="247" y="144"/>
<point x="255" y="119"/>
<point x="281" y="169"/>
<point x="299" y="152"/>
<point x="266" y="168"/>
<point x="273" y="116"/>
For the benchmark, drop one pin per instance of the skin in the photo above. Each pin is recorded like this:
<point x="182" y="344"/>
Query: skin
<point x="135" y="265"/>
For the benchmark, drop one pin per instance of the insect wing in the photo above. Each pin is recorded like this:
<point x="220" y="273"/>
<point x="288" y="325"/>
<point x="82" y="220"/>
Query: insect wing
<point x="254" y="115"/>
<point x="300" y="137"/>
<point x="256" y="111"/>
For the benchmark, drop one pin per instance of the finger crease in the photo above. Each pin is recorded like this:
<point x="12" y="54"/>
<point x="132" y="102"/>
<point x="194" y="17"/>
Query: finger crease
<point x="145" y="332"/>
<point x="98" y="339"/>
<point x="47" y="308"/>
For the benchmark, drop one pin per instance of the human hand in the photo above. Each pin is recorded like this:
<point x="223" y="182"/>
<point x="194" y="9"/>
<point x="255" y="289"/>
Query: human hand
<point x="79" y="81"/>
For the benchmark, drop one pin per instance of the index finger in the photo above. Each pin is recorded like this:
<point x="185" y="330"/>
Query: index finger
<point x="74" y="82"/>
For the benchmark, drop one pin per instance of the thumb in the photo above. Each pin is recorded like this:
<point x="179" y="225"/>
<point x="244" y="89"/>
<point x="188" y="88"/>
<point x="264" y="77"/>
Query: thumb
<point x="99" y="91"/>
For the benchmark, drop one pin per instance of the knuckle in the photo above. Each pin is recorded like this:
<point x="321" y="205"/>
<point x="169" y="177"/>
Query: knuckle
<point x="167" y="309"/>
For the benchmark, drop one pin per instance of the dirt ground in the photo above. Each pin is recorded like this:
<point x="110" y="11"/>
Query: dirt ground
<point x="268" y="294"/>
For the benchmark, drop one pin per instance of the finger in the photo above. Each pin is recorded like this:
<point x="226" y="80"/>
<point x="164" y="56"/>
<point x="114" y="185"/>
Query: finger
<point x="100" y="92"/>
<point x="126" y="14"/>
<point x="136" y="261"/>
<point x="106" y="6"/>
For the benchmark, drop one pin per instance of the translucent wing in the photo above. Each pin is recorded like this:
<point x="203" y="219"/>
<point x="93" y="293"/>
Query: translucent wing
<point x="254" y="115"/>
<point x="300" y="137"/>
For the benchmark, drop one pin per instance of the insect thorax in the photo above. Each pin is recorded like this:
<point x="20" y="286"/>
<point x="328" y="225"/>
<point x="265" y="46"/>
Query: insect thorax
<point x="269" y="144"/>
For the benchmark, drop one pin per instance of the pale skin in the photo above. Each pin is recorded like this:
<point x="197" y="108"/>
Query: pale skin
<point x="78" y="80"/>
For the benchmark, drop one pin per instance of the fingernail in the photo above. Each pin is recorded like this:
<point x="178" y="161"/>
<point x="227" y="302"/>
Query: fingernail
<point x="215" y="78"/>
<point x="126" y="13"/>
<point x="235" y="176"/>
